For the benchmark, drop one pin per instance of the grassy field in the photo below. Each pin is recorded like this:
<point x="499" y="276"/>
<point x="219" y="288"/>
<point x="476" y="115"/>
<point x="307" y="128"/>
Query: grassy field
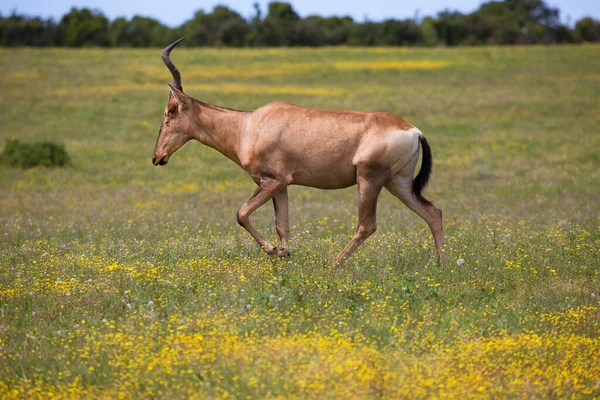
<point x="119" y="279"/>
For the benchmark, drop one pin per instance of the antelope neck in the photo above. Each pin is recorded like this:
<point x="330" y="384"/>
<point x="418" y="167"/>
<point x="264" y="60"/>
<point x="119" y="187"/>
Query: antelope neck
<point x="220" y="128"/>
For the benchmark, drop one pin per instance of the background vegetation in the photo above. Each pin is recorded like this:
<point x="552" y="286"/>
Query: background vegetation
<point x="120" y="279"/>
<point x="28" y="155"/>
<point x="495" y="22"/>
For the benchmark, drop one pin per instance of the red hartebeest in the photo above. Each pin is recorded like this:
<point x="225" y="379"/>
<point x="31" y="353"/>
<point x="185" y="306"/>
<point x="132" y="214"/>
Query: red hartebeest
<point x="283" y="144"/>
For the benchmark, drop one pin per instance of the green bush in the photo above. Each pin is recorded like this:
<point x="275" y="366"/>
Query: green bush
<point x="27" y="155"/>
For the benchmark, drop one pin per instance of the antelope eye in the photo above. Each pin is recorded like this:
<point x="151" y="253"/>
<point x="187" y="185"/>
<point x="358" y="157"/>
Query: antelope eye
<point x="172" y="109"/>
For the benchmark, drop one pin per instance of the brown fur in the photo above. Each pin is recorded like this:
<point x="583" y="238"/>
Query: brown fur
<point x="283" y="144"/>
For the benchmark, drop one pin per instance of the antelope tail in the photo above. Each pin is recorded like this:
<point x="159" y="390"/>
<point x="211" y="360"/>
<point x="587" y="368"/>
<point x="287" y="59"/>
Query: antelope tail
<point x="422" y="177"/>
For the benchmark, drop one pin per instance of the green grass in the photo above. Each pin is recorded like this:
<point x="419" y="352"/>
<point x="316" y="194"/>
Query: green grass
<point x="121" y="279"/>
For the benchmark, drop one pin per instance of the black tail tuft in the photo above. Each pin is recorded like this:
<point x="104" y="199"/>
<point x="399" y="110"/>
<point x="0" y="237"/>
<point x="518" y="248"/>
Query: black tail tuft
<point x="422" y="177"/>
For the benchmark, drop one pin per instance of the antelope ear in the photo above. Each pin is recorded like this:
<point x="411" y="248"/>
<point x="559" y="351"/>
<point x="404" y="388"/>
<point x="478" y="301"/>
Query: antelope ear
<point x="183" y="99"/>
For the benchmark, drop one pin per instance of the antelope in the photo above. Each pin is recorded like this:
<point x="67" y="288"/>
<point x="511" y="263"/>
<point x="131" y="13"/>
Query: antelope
<point x="282" y="144"/>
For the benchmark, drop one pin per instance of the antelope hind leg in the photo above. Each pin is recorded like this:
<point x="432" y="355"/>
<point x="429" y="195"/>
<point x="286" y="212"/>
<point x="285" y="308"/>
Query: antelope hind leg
<point x="401" y="187"/>
<point x="370" y="183"/>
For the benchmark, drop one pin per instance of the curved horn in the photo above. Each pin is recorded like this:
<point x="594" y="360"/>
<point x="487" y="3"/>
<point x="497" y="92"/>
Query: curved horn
<point x="171" y="66"/>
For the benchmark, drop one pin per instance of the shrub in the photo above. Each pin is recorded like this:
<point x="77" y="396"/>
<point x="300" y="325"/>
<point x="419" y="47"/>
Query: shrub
<point x="27" y="155"/>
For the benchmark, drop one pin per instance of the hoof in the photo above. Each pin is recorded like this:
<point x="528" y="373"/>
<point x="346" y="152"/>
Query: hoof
<point x="442" y="259"/>
<point x="279" y="252"/>
<point x="285" y="252"/>
<point x="339" y="261"/>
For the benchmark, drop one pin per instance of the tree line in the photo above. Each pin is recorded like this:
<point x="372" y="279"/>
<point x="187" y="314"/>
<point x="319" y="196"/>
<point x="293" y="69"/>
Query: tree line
<point x="495" y="22"/>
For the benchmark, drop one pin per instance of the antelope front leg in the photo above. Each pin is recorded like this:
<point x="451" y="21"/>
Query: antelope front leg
<point x="266" y="190"/>
<point x="282" y="222"/>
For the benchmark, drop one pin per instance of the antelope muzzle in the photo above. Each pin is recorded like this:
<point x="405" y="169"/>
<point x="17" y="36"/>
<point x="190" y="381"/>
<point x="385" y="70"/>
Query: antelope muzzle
<point x="160" y="161"/>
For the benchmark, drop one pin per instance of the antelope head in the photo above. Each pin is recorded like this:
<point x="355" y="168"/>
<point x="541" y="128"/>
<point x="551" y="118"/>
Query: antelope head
<point x="176" y="128"/>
